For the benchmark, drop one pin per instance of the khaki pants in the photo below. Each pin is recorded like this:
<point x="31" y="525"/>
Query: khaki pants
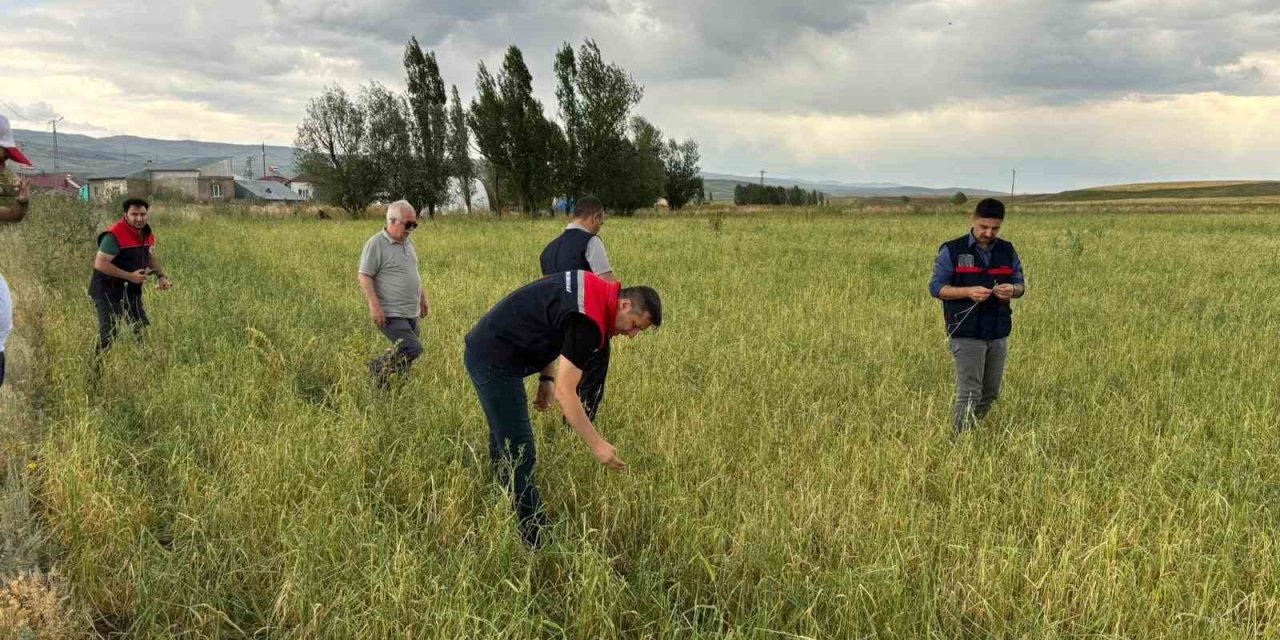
<point x="979" y="372"/>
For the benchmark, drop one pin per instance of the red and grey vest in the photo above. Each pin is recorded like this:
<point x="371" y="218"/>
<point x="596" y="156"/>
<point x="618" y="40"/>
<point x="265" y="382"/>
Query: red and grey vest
<point x="993" y="318"/>
<point x="567" y="252"/>
<point x="525" y="331"/>
<point x="135" y="253"/>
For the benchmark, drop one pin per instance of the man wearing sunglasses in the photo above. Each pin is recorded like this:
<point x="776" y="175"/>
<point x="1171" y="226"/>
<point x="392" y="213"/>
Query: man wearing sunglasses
<point x="392" y="286"/>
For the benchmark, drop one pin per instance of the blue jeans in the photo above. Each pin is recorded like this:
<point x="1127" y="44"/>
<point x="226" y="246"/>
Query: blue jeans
<point x="512" y="451"/>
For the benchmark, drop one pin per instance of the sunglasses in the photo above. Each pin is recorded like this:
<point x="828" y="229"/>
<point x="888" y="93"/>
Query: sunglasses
<point x="408" y="226"/>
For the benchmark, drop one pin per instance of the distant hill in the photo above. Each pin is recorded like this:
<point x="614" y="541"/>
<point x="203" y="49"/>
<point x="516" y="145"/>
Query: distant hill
<point x="721" y="187"/>
<point x="83" y="154"/>
<point x="1168" y="190"/>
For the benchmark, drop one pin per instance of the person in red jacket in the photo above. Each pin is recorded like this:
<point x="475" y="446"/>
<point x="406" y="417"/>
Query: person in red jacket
<point x="14" y="201"/>
<point x="553" y="326"/>
<point x="126" y="256"/>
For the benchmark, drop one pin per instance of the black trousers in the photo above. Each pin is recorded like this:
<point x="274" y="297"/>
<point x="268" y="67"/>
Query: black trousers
<point x="591" y="387"/>
<point x="115" y="307"/>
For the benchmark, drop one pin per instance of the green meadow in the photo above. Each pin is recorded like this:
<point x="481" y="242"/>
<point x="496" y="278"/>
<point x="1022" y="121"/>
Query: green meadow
<point x="792" y="469"/>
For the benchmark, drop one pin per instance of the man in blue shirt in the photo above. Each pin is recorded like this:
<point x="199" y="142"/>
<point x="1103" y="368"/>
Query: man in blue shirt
<point x="976" y="276"/>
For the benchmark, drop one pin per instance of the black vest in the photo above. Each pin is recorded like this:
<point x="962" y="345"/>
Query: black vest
<point x="525" y="331"/>
<point x="567" y="252"/>
<point x="993" y="318"/>
<point x="129" y="259"/>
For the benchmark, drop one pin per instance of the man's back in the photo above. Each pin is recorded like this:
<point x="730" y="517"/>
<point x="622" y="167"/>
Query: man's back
<point x="575" y="249"/>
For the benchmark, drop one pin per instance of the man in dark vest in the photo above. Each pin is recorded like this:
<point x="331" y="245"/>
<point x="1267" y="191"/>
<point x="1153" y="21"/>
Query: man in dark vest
<point x="580" y="247"/>
<point x="552" y="327"/>
<point x="975" y="276"/>
<point x="126" y="256"/>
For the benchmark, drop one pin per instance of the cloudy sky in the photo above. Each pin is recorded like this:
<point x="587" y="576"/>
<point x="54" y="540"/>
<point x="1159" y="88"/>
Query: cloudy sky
<point x="1071" y="93"/>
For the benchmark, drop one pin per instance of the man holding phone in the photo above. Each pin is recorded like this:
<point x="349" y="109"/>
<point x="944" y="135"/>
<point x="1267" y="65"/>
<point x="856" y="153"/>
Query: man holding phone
<point x="126" y="256"/>
<point x="975" y="276"/>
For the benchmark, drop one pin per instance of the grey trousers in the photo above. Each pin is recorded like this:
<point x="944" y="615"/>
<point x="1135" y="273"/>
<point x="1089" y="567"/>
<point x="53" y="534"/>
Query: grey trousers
<point x="979" y="372"/>
<point x="405" y="348"/>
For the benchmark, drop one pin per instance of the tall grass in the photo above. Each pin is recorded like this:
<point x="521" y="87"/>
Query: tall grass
<point x="792" y="470"/>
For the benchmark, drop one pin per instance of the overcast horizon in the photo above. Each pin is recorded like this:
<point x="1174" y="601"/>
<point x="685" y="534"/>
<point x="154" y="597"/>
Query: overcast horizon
<point x="936" y="93"/>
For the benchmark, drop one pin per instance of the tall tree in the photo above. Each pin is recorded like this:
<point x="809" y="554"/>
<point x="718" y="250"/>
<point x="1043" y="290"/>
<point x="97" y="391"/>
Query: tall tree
<point x="389" y="144"/>
<point x="680" y="161"/>
<point x="428" y="101"/>
<point x="643" y="163"/>
<point x="606" y="95"/>
<point x="460" y="150"/>
<point x="570" y="166"/>
<point x="330" y="148"/>
<point x="530" y="139"/>
<point x="486" y="118"/>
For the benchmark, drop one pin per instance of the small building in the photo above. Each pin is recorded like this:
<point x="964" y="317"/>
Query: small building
<point x="200" y="179"/>
<point x="55" y="183"/>
<point x="265" y="190"/>
<point x="304" y="186"/>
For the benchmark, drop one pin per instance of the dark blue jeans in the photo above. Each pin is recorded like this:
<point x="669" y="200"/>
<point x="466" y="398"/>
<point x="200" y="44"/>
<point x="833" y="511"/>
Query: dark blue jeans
<point x="512" y="451"/>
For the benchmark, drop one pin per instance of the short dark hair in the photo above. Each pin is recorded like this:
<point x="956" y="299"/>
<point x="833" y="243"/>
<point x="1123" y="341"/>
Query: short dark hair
<point x="645" y="300"/>
<point x="587" y="206"/>
<point x="135" y="202"/>
<point x="989" y="208"/>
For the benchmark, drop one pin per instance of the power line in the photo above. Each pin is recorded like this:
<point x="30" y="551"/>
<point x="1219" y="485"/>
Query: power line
<point x="16" y="111"/>
<point x="54" y="124"/>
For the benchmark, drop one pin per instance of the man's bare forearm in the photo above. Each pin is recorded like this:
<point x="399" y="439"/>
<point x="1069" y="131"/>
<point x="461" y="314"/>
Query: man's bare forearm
<point x="949" y="292"/>
<point x="103" y="263"/>
<point x="154" y="265"/>
<point x="366" y="287"/>
<point x="575" y="415"/>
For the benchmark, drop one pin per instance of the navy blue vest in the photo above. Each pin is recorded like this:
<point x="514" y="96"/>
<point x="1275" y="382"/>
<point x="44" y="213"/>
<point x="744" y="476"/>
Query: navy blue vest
<point x="567" y="252"/>
<point x="133" y="255"/>
<point x="992" y="319"/>
<point x="525" y="331"/>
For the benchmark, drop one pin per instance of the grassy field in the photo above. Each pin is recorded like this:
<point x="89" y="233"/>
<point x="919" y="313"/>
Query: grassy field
<point x="792" y="470"/>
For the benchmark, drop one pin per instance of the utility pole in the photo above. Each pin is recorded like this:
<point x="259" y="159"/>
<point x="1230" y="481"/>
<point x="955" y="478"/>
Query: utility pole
<point x="762" y="177"/>
<point x="264" y="159"/>
<point x="1014" y="183"/>
<point x="248" y="167"/>
<point x="55" y="122"/>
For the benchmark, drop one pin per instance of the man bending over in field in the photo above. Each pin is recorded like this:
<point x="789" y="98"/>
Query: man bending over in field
<point x="14" y="201"/>
<point x="565" y="319"/>
<point x="392" y="286"/>
<point x="126" y="256"/>
<point x="975" y="276"/>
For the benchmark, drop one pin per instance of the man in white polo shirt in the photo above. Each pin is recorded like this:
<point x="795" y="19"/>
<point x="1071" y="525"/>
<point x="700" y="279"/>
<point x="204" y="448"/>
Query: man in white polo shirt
<point x="392" y="286"/>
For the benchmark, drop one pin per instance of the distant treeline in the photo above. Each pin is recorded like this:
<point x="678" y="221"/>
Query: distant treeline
<point x="417" y="146"/>
<point x="760" y="194"/>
